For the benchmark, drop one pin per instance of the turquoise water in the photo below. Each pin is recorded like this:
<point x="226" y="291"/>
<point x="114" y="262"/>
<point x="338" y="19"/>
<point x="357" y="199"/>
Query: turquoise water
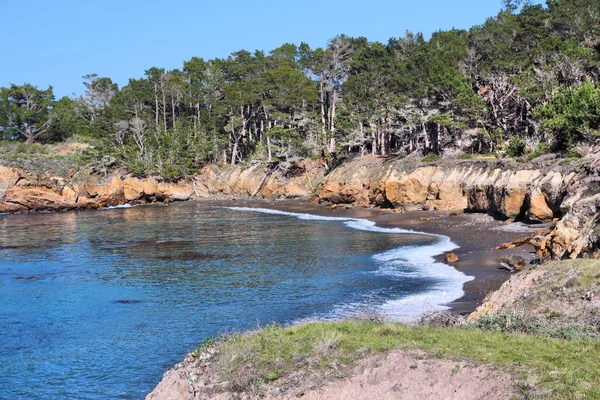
<point x="97" y="305"/>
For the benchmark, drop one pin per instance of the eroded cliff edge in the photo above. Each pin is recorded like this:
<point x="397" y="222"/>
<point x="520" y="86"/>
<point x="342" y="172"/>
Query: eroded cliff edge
<point x="563" y="193"/>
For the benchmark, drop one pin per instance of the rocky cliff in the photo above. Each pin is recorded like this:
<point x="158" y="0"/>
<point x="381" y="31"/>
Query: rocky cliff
<point x="22" y="191"/>
<point x="564" y="194"/>
<point x="561" y="193"/>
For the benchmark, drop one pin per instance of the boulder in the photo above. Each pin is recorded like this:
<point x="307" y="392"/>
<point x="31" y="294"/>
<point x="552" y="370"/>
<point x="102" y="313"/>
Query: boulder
<point x="84" y="202"/>
<point x="69" y="193"/>
<point x="133" y="189"/>
<point x="175" y="192"/>
<point x="38" y="199"/>
<point x="538" y="210"/>
<point x="331" y="192"/>
<point x="111" y="194"/>
<point x="450" y="257"/>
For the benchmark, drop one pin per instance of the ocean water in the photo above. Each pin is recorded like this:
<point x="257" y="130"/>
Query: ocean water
<point x="97" y="305"/>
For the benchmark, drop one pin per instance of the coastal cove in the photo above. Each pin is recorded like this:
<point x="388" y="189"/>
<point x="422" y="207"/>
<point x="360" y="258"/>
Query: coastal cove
<point x="118" y="303"/>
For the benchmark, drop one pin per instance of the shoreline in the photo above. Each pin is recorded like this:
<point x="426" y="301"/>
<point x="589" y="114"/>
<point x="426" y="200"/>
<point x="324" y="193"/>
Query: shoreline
<point x="477" y="236"/>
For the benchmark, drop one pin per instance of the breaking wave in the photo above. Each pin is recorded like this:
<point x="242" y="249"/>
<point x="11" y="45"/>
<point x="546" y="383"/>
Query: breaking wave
<point x="405" y="261"/>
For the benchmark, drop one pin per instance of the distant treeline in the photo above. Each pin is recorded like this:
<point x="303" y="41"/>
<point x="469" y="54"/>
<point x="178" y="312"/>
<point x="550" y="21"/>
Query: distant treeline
<point x="523" y="83"/>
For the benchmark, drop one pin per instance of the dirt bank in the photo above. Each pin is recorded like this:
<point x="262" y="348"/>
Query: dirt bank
<point x="401" y="374"/>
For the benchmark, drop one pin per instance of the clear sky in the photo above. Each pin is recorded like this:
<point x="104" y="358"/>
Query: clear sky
<point x="57" y="42"/>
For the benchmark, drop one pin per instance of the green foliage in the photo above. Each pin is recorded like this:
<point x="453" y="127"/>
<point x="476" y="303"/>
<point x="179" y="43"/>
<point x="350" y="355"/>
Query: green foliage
<point x="516" y="147"/>
<point x="26" y="112"/>
<point x="519" y="323"/>
<point x="573" y="115"/>
<point x="430" y="158"/>
<point x="541" y="149"/>
<point x="526" y="72"/>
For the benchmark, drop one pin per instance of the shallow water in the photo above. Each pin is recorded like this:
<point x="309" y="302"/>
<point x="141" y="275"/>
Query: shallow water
<point x="97" y="305"/>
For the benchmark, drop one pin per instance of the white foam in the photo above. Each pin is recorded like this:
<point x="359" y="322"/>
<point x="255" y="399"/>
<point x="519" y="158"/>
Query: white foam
<point x="421" y="263"/>
<point x="355" y="223"/>
<point x="310" y="217"/>
<point x="119" y="206"/>
<point x="406" y="261"/>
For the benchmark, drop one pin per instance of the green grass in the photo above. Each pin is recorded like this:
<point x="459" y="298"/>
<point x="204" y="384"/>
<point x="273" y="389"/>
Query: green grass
<point x="430" y="158"/>
<point x="565" y="369"/>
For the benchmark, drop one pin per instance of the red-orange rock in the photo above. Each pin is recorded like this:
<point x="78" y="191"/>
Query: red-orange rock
<point x="38" y="199"/>
<point x="538" y="208"/>
<point x="11" y="207"/>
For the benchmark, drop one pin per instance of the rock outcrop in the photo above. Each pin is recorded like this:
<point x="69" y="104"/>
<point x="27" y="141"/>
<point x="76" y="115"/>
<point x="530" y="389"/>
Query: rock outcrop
<point x="508" y="194"/>
<point x="21" y="191"/>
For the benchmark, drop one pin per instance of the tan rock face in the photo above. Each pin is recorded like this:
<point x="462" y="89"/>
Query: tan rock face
<point x="294" y="190"/>
<point x="69" y="194"/>
<point x="38" y="199"/>
<point x="515" y="192"/>
<point x="538" y="210"/>
<point x="111" y="194"/>
<point x="149" y="186"/>
<point x="175" y="192"/>
<point x="504" y="193"/>
<point x="248" y="180"/>
<point x="8" y="177"/>
<point x="133" y="189"/>
<point x="331" y="192"/>
<point x="84" y="202"/>
<point x="408" y="190"/>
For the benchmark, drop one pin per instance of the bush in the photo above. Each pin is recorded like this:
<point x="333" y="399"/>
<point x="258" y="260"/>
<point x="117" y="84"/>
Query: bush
<point x="516" y="147"/>
<point x="571" y="116"/>
<point x="540" y="150"/>
<point x="430" y="158"/>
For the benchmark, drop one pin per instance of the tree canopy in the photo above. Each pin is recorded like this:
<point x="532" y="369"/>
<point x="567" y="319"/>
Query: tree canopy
<point x="527" y="75"/>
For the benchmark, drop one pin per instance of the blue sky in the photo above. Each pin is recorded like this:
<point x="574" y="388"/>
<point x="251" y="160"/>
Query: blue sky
<point x="57" y="42"/>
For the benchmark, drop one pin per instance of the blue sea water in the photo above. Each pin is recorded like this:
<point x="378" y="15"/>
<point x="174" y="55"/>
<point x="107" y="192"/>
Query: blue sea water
<point x="97" y="305"/>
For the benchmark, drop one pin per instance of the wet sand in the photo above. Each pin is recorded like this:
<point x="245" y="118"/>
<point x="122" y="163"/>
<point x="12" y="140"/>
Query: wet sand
<point x="477" y="236"/>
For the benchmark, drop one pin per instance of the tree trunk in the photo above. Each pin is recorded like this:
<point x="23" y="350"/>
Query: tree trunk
<point x="322" y="100"/>
<point x="425" y="135"/>
<point x="173" y="110"/>
<point x="235" y="149"/>
<point x="374" y="139"/>
<point x="332" y="145"/>
<point x="333" y="111"/>
<point x="156" y="108"/>
<point x="164" y="103"/>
